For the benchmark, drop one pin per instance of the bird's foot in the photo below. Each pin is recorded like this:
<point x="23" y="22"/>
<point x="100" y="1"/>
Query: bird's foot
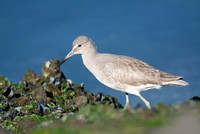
<point x="127" y="107"/>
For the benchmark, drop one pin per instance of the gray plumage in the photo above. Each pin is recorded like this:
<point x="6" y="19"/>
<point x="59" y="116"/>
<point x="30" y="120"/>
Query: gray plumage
<point x="120" y="72"/>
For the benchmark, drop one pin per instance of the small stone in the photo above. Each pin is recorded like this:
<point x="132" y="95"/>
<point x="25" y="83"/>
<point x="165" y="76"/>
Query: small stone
<point x="82" y="85"/>
<point x="47" y="64"/>
<point x="24" y="83"/>
<point x="51" y="79"/>
<point x="44" y="84"/>
<point x="56" y="81"/>
<point x="59" y="109"/>
<point x="70" y="113"/>
<point x="69" y="81"/>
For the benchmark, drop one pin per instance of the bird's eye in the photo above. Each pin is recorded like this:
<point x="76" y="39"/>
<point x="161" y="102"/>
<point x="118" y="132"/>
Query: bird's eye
<point x="79" y="45"/>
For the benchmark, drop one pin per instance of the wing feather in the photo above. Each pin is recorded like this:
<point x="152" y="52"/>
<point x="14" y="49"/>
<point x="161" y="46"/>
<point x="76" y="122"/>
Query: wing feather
<point x="127" y="70"/>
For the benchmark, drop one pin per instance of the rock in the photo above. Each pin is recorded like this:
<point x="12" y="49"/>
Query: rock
<point x="4" y="82"/>
<point x="57" y="81"/>
<point x="12" y="114"/>
<point x="69" y="81"/>
<point x="2" y="131"/>
<point x="39" y="94"/>
<point x="24" y="100"/>
<point x="99" y="97"/>
<point x="27" y="125"/>
<point x="82" y="85"/>
<point x="4" y="104"/>
<point x="195" y="98"/>
<point x="50" y="94"/>
<point x="43" y="110"/>
<point x="49" y="69"/>
<point x="30" y="77"/>
<point x="9" y="92"/>
<point x="80" y="101"/>
<point x="51" y="79"/>
<point x="59" y="109"/>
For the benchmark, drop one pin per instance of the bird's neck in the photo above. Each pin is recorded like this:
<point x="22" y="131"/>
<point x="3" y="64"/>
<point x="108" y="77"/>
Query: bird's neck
<point x="89" y="59"/>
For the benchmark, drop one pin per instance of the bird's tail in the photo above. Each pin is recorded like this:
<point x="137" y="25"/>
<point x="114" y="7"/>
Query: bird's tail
<point x="169" y="79"/>
<point x="175" y="83"/>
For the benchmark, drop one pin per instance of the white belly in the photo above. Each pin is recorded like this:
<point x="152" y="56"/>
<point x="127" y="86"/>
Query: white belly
<point x="130" y="89"/>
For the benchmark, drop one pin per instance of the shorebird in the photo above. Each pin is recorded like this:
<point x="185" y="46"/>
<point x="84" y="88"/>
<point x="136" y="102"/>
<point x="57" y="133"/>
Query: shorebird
<point x="121" y="73"/>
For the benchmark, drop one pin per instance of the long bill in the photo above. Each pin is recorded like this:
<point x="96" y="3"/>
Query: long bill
<point x="70" y="54"/>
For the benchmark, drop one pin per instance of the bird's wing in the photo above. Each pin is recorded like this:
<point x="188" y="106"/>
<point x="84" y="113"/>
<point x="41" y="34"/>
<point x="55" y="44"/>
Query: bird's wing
<point x="127" y="70"/>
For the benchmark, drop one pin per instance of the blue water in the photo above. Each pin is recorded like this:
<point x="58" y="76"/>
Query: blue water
<point x="165" y="34"/>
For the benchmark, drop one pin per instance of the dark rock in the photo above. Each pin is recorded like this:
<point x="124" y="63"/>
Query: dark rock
<point x="99" y="97"/>
<point x="5" y="117"/>
<point x="4" y="105"/>
<point x="43" y="110"/>
<point x="16" y="96"/>
<point x="9" y="92"/>
<point x="12" y="114"/>
<point x="59" y="109"/>
<point x="1" y="111"/>
<point x="56" y="81"/>
<point x="195" y="98"/>
<point x="49" y="94"/>
<point x="111" y="101"/>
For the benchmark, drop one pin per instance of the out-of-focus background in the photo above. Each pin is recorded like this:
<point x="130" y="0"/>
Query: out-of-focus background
<point x="165" y="34"/>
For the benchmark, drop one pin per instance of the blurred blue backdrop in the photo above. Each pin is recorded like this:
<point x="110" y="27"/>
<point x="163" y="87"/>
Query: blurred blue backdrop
<point x="165" y="34"/>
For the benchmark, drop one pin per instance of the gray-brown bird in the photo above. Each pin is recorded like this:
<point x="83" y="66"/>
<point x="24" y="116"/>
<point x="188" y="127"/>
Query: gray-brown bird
<point x="121" y="73"/>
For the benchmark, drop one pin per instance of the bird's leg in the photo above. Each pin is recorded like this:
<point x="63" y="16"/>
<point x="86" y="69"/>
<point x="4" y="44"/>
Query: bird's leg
<point x="127" y="105"/>
<point x="145" y="101"/>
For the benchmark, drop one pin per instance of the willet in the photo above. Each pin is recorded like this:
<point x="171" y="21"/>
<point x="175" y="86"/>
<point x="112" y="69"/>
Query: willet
<point x="121" y="73"/>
